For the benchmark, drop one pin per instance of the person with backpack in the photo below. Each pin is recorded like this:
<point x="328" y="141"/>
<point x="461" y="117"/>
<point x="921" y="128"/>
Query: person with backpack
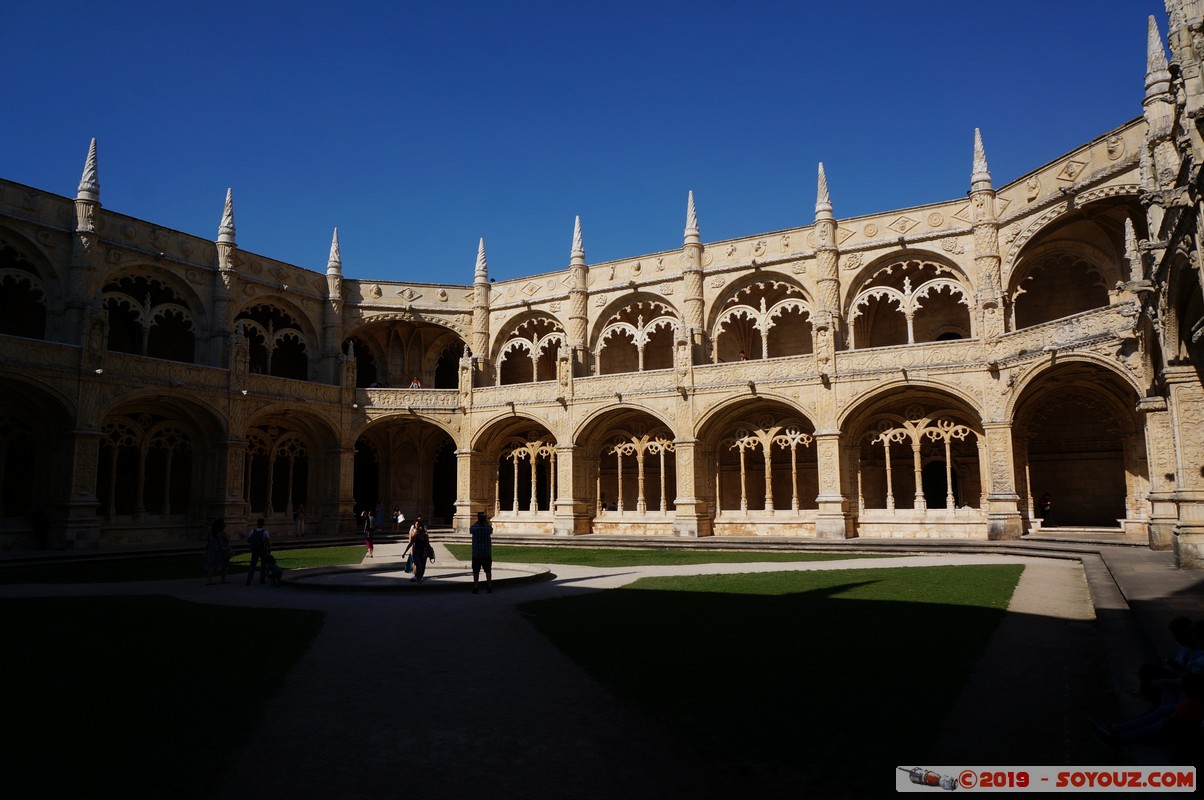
<point x="260" y="542"/>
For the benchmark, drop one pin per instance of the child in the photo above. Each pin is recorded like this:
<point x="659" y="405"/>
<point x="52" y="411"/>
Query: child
<point x="274" y="570"/>
<point x="368" y="541"/>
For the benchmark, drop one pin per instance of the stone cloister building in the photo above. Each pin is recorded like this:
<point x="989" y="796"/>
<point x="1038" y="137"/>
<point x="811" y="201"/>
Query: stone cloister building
<point x="925" y="372"/>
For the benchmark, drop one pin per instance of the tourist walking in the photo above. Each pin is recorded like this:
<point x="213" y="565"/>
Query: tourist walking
<point x="420" y="548"/>
<point x="482" y="552"/>
<point x="217" y="551"/>
<point x="396" y="518"/>
<point x="368" y="541"/>
<point x="260" y="542"/>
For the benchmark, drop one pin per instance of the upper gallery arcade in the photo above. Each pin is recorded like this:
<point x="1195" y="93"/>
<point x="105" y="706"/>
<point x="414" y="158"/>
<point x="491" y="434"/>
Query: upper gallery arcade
<point x="924" y="372"/>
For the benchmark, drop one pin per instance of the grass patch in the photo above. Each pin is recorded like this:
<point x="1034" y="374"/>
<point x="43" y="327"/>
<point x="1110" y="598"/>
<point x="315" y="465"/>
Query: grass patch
<point x="149" y="697"/>
<point x="590" y="557"/>
<point x="174" y="567"/>
<point x="791" y="680"/>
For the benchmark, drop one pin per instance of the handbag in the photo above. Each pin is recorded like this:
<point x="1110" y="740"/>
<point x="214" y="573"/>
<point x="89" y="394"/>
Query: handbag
<point x="409" y="565"/>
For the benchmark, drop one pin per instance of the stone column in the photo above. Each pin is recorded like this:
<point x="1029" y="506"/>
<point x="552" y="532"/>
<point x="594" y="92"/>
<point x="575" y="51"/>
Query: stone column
<point x="986" y="246"/>
<point x="1187" y="408"/>
<point x="74" y="523"/>
<point x="692" y="516"/>
<point x="469" y="498"/>
<point x="572" y="509"/>
<point x="692" y="305"/>
<point x="1160" y="456"/>
<point x="1004" y="520"/>
<point x="832" y="521"/>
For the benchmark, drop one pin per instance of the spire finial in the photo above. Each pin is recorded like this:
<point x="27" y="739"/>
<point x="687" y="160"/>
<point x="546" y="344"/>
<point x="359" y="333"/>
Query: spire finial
<point x="482" y="270"/>
<point x="225" y="231"/>
<point x="980" y="176"/>
<point x="692" y="232"/>
<point x="578" y="242"/>
<point x="89" y="183"/>
<point x="823" y="200"/>
<point x="335" y="262"/>
<point x="1132" y="252"/>
<point x="1157" y="74"/>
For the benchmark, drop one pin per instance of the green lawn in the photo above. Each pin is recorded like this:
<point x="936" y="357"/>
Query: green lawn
<point x="590" y="557"/>
<point x="139" y="697"/>
<point x="791" y="680"/>
<point x="161" y="568"/>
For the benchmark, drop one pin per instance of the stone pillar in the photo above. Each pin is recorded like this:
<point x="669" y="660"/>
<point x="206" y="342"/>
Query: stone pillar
<point x="339" y="516"/>
<point x="692" y="305"/>
<point x="986" y="246"/>
<point x="74" y="523"/>
<point x="1187" y="407"/>
<point x="1004" y="520"/>
<point x="1160" y="457"/>
<point x="578" y="303"/>
<point x="332" y="315"/>
<point x="833" y="520"/>
<point x="571" y="507"/>
<point x="469" y="498"/>
<point x="231" y="504"/>
<point x="692" y="517"/>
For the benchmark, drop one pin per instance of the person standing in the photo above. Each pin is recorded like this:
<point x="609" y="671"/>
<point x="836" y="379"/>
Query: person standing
<point x="217" y="551"/>
<point x="420" y="548"/>
<point x="299" y="519"/>
<point x="482" y="552"/>
<point x="260" y="542"/>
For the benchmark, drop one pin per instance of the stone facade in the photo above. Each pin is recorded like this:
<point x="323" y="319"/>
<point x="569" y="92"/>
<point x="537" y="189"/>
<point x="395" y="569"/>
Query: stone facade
<point x="927" y="372"/>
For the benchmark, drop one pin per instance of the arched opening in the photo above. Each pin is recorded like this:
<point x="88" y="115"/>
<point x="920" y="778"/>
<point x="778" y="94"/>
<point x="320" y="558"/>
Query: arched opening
<point x="767" y="318"/>
<point x="1076" y="440"/>
<point x="637" y="337"/>
<point x="447" y="367"/>
<point x="23" y="295"/>
<point x="910" y="301"/>
<point x="276" y="342"/>
<point x="148" y="318"/>
<point x="529" y="351"/>
<point x="409" y="464"/>
<point x="365" y="363"/>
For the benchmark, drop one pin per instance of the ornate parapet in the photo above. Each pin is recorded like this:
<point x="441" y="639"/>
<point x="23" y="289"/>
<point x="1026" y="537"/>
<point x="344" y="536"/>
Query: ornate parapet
<point x="403" y="399"/>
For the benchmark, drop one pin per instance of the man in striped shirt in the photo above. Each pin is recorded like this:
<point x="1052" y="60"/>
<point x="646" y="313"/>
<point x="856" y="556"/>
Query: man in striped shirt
<point x="482" y="552"/>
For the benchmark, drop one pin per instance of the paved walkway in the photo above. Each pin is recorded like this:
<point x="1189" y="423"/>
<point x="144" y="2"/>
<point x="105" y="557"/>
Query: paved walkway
<point x="455" y="693"/>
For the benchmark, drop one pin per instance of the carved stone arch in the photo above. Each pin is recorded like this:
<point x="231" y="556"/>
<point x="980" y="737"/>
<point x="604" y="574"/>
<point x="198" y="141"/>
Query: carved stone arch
<point x="1036" y="373"/>
<point x="281" y="338"/>
<point x="1051" y="218"/>
<point x="518" y="476"/>
<point x="629" y="306"/>
<point x="1059" y="278"/>
<point x="26" y="279"/>
<point x="630" y="465"/>
<point x="34" y="477"/>
<point x="1077" y="437"/>
<point x="1182" y="318"/>
<point x="20" y="251"/>
<point x="280" y="473"/>
<point x="442" y="360"/>
<point x="907" y="298"/>
<point x="955" y="397"/>
<point x="368" y="357"/>
<point x="766" y="316"/>
<point x="540" y="336"/>
<point x="891" y="438"/>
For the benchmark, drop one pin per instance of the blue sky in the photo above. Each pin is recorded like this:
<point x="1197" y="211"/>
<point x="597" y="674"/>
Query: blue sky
<point x="419" y="128"/>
